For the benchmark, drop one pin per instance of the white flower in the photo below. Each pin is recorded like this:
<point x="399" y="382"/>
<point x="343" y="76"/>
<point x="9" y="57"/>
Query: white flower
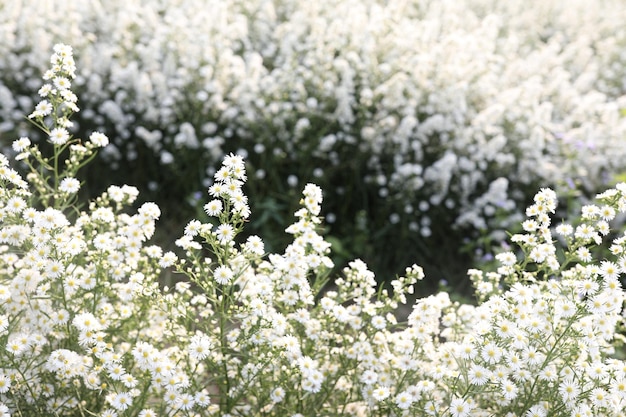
<point x="99" y="139"/>
<point x="5" y="384"/>
<point x="86" y="322"/>
<point x="379" y="322"/>
<point x="69" y="185"/>
<point x="185" y="401"/>
<point x="478" y="375"/>
<point x="380" y="393"/>
<point x="59" y="136"/>
<point x="213" y="208"/>
<point x="62" y="83"/>
<point x="569" y="390"/>
<point x="222" y="275"/>
<point x="277" y="395"/>
<point x="42" y="109"/>
<point x="460" y="408"/>
<point x="506" y="258"/>
<point x="21" y="144"/>
<point x="404" y="400"/>
<point x="225" y="233"/>
<point x="254" y="245"/>
<point x="120" y="401"/>
<point x="200" y="346"/>
<point x="192" y="228"/>
<point x="509" y="389"/>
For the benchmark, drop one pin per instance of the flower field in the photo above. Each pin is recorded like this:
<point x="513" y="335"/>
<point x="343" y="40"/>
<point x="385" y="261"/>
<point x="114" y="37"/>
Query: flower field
<point x="288" y="135"/>
<point x="428" y="124"/>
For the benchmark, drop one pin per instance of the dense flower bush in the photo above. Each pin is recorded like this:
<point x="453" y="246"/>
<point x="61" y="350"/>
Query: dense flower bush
<point x="86" y="330"/>
<point x="425" y="113"/>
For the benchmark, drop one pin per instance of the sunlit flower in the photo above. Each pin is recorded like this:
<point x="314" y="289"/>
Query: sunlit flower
<point x="213" y="207"/>
<point x="59" y="136"/>
<point x="380" y="393"/>
<point x="69" y="185"/>
<point x="223" y="275"/>
<point x="225" y="233"/>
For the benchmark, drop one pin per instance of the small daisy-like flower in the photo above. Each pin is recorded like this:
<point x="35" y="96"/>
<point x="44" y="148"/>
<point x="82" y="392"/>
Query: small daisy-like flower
<point x="86" y="322"/>
<point x="506" y="258"/>
<point x="404" y="400"/>
<point x="99" y="139"/>
<point x="17" y="344"/>
<point x="609" y="270"/>
<point x="129" y="381"/>
<point x="532" y="356"/>
<point x="44" y="108"/>
<point x="225" y="233"/>
<point x="44" y="90"/>
<point x="59" y="136"/>
<point x="587" y="287"/>
<point x="202" y="398"/>
<point x="15" y="205"/>
<point x="62" y="83"/>
<point x="239" y="172"/>
<point x="150" y="210"/>
<point x="603" y="227"/>
<point x="241" y="209"/>
<point x="584" y="231"/>
<point x="277" y="395"/>
<point x="169" y="258"/>
<point x="564" y="229"/>
<point x="69" y="185"/>
<point x="223" y="275"/>
<point x="254" y="245"/>
<point x="21" y="144"/>
<point x="509" y="389"/>
<point x="530" y="225"/>
<point x="192" y="228"/>
<point x="607" y="213"/>
<point x="536" y="411"/>
<point x="62" y="52"/>
<point x="121" y="401"/>
<point x="460" y="408"/>
<point x="185" y="402"/>
<point x="312" y="198"/>
<point x="583" y="254"/>
<point x="232" y="161"/>
<point x="380" y="393"/>
<point x="54" y="269"/>
<point x="5" y="384"/>
<point x="564" y="308"/>
<point x="569" y="390"/>
<point x="213" y="208"/>
<point x="491" y="353"/>
<point x="379" y="322"/>
<point x="478" y="375"/>
<point x="548" y="373"/>
<point x="217" y="189"/>
<point x="222" y="175"/>
<point x="200" y="347"/>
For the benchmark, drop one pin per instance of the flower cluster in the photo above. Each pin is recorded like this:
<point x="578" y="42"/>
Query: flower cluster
<point x="87" y="329"/>
<point x="73" y="282"/>
<point x="555" y="323"/>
